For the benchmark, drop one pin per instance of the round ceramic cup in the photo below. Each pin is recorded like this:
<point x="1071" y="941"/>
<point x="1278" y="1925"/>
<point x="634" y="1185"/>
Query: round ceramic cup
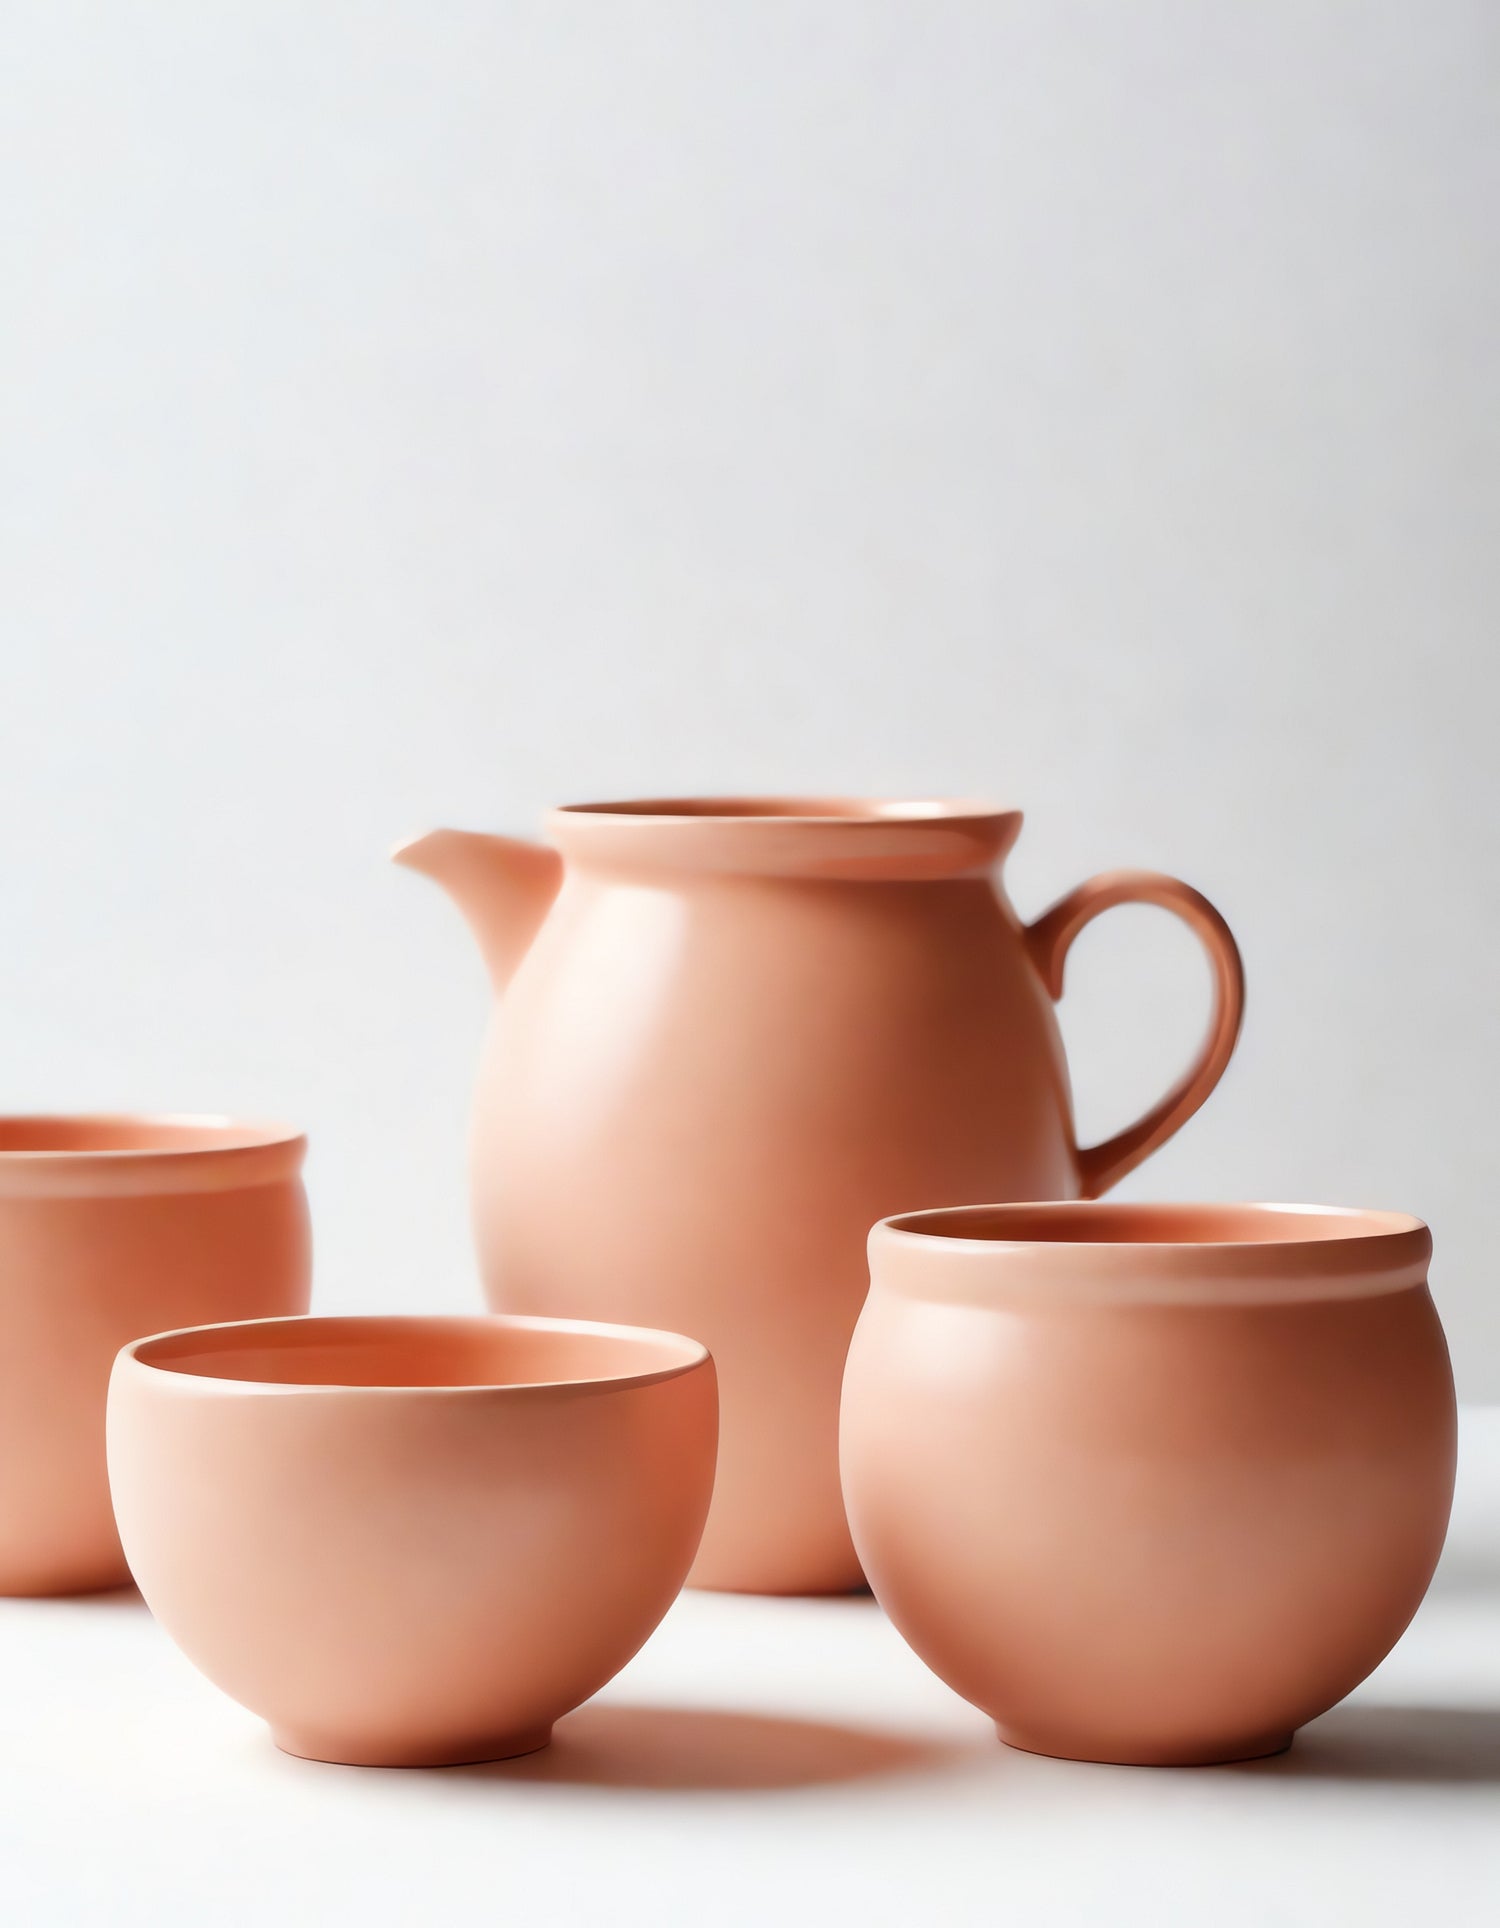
<point x="111" y="1227"/>
<point x="410" y="1542"/>
<point x="1149" y="1483"/>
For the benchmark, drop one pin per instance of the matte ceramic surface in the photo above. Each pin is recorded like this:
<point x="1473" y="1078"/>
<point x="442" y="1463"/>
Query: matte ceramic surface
<point x="742" y="1030"/>
<point x="410" y="1542"/>
<point x="1149" y="1483"/>
<point x="111" y="1227"/>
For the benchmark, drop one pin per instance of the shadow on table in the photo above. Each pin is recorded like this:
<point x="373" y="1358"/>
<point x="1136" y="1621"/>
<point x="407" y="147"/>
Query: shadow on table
<point x="111" y="1600"/>
<point x="1435" y="1745"/>
<point x="700" y="1749"/>
<point x="126" y="1598"/>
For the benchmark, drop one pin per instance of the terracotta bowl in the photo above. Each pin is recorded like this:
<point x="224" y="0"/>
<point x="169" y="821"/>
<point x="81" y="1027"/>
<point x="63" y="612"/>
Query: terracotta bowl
<point x="111" y="1227"/>
<point x="412" y="1541"/>
<point x="1149" y="1483"/>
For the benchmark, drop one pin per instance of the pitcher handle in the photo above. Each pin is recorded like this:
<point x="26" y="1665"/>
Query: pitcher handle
<point x="1049" y="939"/>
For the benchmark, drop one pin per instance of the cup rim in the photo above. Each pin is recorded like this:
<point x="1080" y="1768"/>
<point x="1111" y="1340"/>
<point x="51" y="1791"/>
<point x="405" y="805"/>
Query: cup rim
<point x="194" y="1151"/>
<point x="1028" y="1225"/>
<point x="1074" y="1250"/>
<point x="692" y="1355"/>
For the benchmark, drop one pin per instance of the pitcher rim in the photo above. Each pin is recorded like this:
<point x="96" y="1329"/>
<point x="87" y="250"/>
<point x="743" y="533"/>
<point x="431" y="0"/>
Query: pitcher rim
<point x="874" y="839"/>
<point x="747" y="809"/>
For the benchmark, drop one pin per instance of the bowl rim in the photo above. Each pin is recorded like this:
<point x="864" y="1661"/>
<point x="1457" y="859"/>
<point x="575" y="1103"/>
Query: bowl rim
<point x="695" y="1355"/>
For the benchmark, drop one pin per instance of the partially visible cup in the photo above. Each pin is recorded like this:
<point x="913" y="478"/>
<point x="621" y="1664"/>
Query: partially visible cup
<point x="111" y="1227"/>
<point x="410" y="1542"/>
<point x="1149" y="1483"/>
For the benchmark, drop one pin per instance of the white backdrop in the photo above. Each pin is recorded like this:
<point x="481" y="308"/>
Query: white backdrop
<point x="424" y="413"/>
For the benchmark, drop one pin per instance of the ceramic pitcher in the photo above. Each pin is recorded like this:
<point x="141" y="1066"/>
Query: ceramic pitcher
<point x="729" y="1035"/>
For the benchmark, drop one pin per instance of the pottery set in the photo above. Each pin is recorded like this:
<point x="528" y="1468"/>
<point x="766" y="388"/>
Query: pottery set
<point x="1144" y="1483"/>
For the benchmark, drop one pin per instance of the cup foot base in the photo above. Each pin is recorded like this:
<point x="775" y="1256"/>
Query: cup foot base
<point x="65" y="1583"/>
<point x="838" y="1589"/>
<point x="1254" y="1747"/>
<point x="314" y="1747"/>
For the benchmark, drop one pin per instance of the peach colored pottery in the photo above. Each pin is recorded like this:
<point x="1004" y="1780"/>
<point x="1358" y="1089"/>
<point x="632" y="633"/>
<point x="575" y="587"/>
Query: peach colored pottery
<point x="732" y="1034"/>
<point x="408" y="1542"/>
<point x="1149" y="1483"/>
<point x="111" y="1227"/>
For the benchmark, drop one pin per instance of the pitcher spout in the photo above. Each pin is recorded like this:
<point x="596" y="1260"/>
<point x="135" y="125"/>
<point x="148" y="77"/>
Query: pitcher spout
<point x="503" y="886"/>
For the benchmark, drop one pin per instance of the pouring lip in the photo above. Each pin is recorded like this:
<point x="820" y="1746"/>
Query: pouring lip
<point x="829" y="837"/>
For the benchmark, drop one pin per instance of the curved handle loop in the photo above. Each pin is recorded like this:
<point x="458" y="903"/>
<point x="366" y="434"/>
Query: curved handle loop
<point x="1048" y="941"/>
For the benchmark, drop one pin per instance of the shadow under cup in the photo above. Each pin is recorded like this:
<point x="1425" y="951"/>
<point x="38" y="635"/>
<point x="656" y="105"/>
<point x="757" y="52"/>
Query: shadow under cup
<point x="110" y="1227"/>
<point x="1149" y="1483"/>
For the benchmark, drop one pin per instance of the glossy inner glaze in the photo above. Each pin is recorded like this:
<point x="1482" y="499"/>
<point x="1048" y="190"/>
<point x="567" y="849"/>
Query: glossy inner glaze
<point x="396" y="1352"/>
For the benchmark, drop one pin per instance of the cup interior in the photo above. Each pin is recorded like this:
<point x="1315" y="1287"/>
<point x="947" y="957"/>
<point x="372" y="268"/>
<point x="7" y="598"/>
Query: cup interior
<point x="489" y="1353"/>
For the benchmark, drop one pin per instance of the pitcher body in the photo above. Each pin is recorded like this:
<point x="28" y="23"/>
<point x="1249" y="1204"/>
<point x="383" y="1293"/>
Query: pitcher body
<point x="741" y="1035"/>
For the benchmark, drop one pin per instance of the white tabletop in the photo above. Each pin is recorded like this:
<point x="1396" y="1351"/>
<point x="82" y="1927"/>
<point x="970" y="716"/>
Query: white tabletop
<point x="761" y="1760"/>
